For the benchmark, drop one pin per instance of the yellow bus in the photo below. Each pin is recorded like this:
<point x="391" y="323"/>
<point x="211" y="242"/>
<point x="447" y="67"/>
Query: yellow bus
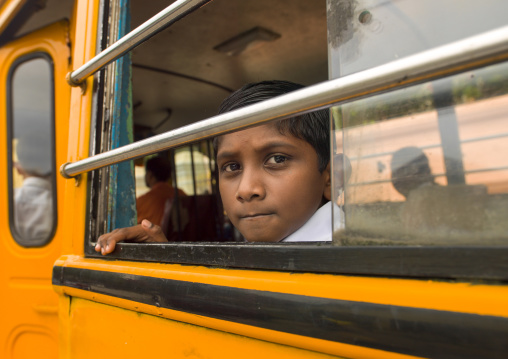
<point x="418" y="100"/>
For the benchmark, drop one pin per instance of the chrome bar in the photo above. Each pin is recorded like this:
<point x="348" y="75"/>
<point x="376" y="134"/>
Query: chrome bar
<point x="9" y="12"/>
<point x="143" y="32"/>
<point x="456" y="57"/>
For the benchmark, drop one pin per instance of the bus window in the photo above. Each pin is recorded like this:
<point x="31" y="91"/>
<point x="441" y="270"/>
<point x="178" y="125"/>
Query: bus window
<point x="180" y="194"/>
<point x="31" y="155"/>
<point x="426" y="160"/>
<point x="180" y="77"/>
<point x="368" y="33"/>
<point x="428" y="164"/>
<point x="194" y="167"/>
<point x="181" y="84"/>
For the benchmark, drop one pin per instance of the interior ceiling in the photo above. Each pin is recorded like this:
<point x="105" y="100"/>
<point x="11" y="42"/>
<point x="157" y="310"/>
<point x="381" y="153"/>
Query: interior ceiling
<point x="48" y="12"/>
<point x="187" y="48"/>
<point x="162" y="65"/>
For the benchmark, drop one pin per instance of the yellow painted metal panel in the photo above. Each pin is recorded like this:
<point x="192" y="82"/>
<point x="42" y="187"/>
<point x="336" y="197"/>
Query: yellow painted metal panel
<point x="28" y="304"/>
<point x="453" y="297"/>
<point x="483" y="299"/>
<point x="85" y="33"/>
<point x="255" y="334"/>
<point x="104" y="331"/>
<point x="100" y="326"/>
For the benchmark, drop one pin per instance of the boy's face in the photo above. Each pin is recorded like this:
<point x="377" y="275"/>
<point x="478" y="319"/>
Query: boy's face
<point x="269" y="183"/>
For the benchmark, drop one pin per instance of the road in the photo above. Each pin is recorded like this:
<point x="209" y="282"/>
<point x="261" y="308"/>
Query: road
<point x="370" y="149"/>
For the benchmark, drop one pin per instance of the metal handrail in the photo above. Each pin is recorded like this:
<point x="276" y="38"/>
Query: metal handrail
<point x="9" y="12"/>
<point x="459" y="56"/>
<point x="149" y="28"/>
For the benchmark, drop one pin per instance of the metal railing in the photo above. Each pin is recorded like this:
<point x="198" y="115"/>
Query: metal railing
<point x="9" y="11"/>
<point x="149" y="28"/>
<point x="459" y="56"/>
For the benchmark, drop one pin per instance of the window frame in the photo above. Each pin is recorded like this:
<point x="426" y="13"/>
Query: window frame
<point x="439" y="262"/>
<point x="461" y="263"/>
<point x="27" y="243"/>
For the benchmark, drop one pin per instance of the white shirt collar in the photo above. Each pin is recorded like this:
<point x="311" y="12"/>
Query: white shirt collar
<point x="319" y="227"/>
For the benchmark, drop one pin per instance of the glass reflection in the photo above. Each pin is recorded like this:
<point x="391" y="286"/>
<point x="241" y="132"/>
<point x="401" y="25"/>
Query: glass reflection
<point x="33" y="159"/>
<point x="428" y="163"/>
<point x="367" y="33"/>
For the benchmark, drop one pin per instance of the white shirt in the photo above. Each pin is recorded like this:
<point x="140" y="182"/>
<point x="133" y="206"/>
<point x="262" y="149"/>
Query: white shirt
<point x="319" y="227"/>
<point x="33" y="209"/>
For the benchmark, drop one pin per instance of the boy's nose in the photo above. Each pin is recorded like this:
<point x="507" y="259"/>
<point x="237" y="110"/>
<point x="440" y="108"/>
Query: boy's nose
<point x="250" y="187"/>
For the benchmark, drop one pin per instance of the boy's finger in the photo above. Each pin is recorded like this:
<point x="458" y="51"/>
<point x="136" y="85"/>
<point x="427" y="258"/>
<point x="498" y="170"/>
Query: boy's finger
<point x="107" y="242"/>
<point x="154" y="233"/>
<point x="147" y="232"/>
<point x="110" y="246"/>
<point x="146" y="224"/>
<point x="101" y="242"/>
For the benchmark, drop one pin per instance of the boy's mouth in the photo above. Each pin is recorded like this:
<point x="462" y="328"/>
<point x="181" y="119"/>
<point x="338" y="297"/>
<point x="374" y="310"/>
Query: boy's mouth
<point x="255" y="215"/>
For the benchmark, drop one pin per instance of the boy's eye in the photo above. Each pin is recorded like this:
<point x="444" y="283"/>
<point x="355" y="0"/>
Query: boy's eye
<point x="277" y="159"/>
<point x="231" y="167"/>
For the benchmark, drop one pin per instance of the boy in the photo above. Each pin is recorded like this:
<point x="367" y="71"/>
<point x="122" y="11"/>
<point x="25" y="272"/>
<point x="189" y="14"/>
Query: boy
<point x="274" y="179"/>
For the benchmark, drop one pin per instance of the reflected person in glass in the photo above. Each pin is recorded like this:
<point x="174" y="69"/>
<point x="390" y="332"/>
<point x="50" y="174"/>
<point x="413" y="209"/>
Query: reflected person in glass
<point x="410" y="170"/>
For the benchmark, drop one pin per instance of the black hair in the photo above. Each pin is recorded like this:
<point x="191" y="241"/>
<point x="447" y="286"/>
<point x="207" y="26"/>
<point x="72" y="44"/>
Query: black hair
<point x="160" y="167"/>
<point x="313" y="127"/>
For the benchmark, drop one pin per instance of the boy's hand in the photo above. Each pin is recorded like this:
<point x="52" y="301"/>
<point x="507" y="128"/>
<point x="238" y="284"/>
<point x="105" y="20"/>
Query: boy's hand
<point x="145" y="232"/>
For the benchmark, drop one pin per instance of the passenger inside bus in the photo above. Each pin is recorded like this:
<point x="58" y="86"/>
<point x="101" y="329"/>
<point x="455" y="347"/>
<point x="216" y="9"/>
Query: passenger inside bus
<point x="151" y="205"/>
<point x="274" y="179"/>
<point x="33" y="202"/>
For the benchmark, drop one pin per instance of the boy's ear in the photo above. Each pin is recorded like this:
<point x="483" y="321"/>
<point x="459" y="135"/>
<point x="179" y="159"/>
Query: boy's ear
<point x="327" y="191"/>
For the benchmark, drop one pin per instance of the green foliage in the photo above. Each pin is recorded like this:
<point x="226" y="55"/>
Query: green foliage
<point x="471" y="86"/>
